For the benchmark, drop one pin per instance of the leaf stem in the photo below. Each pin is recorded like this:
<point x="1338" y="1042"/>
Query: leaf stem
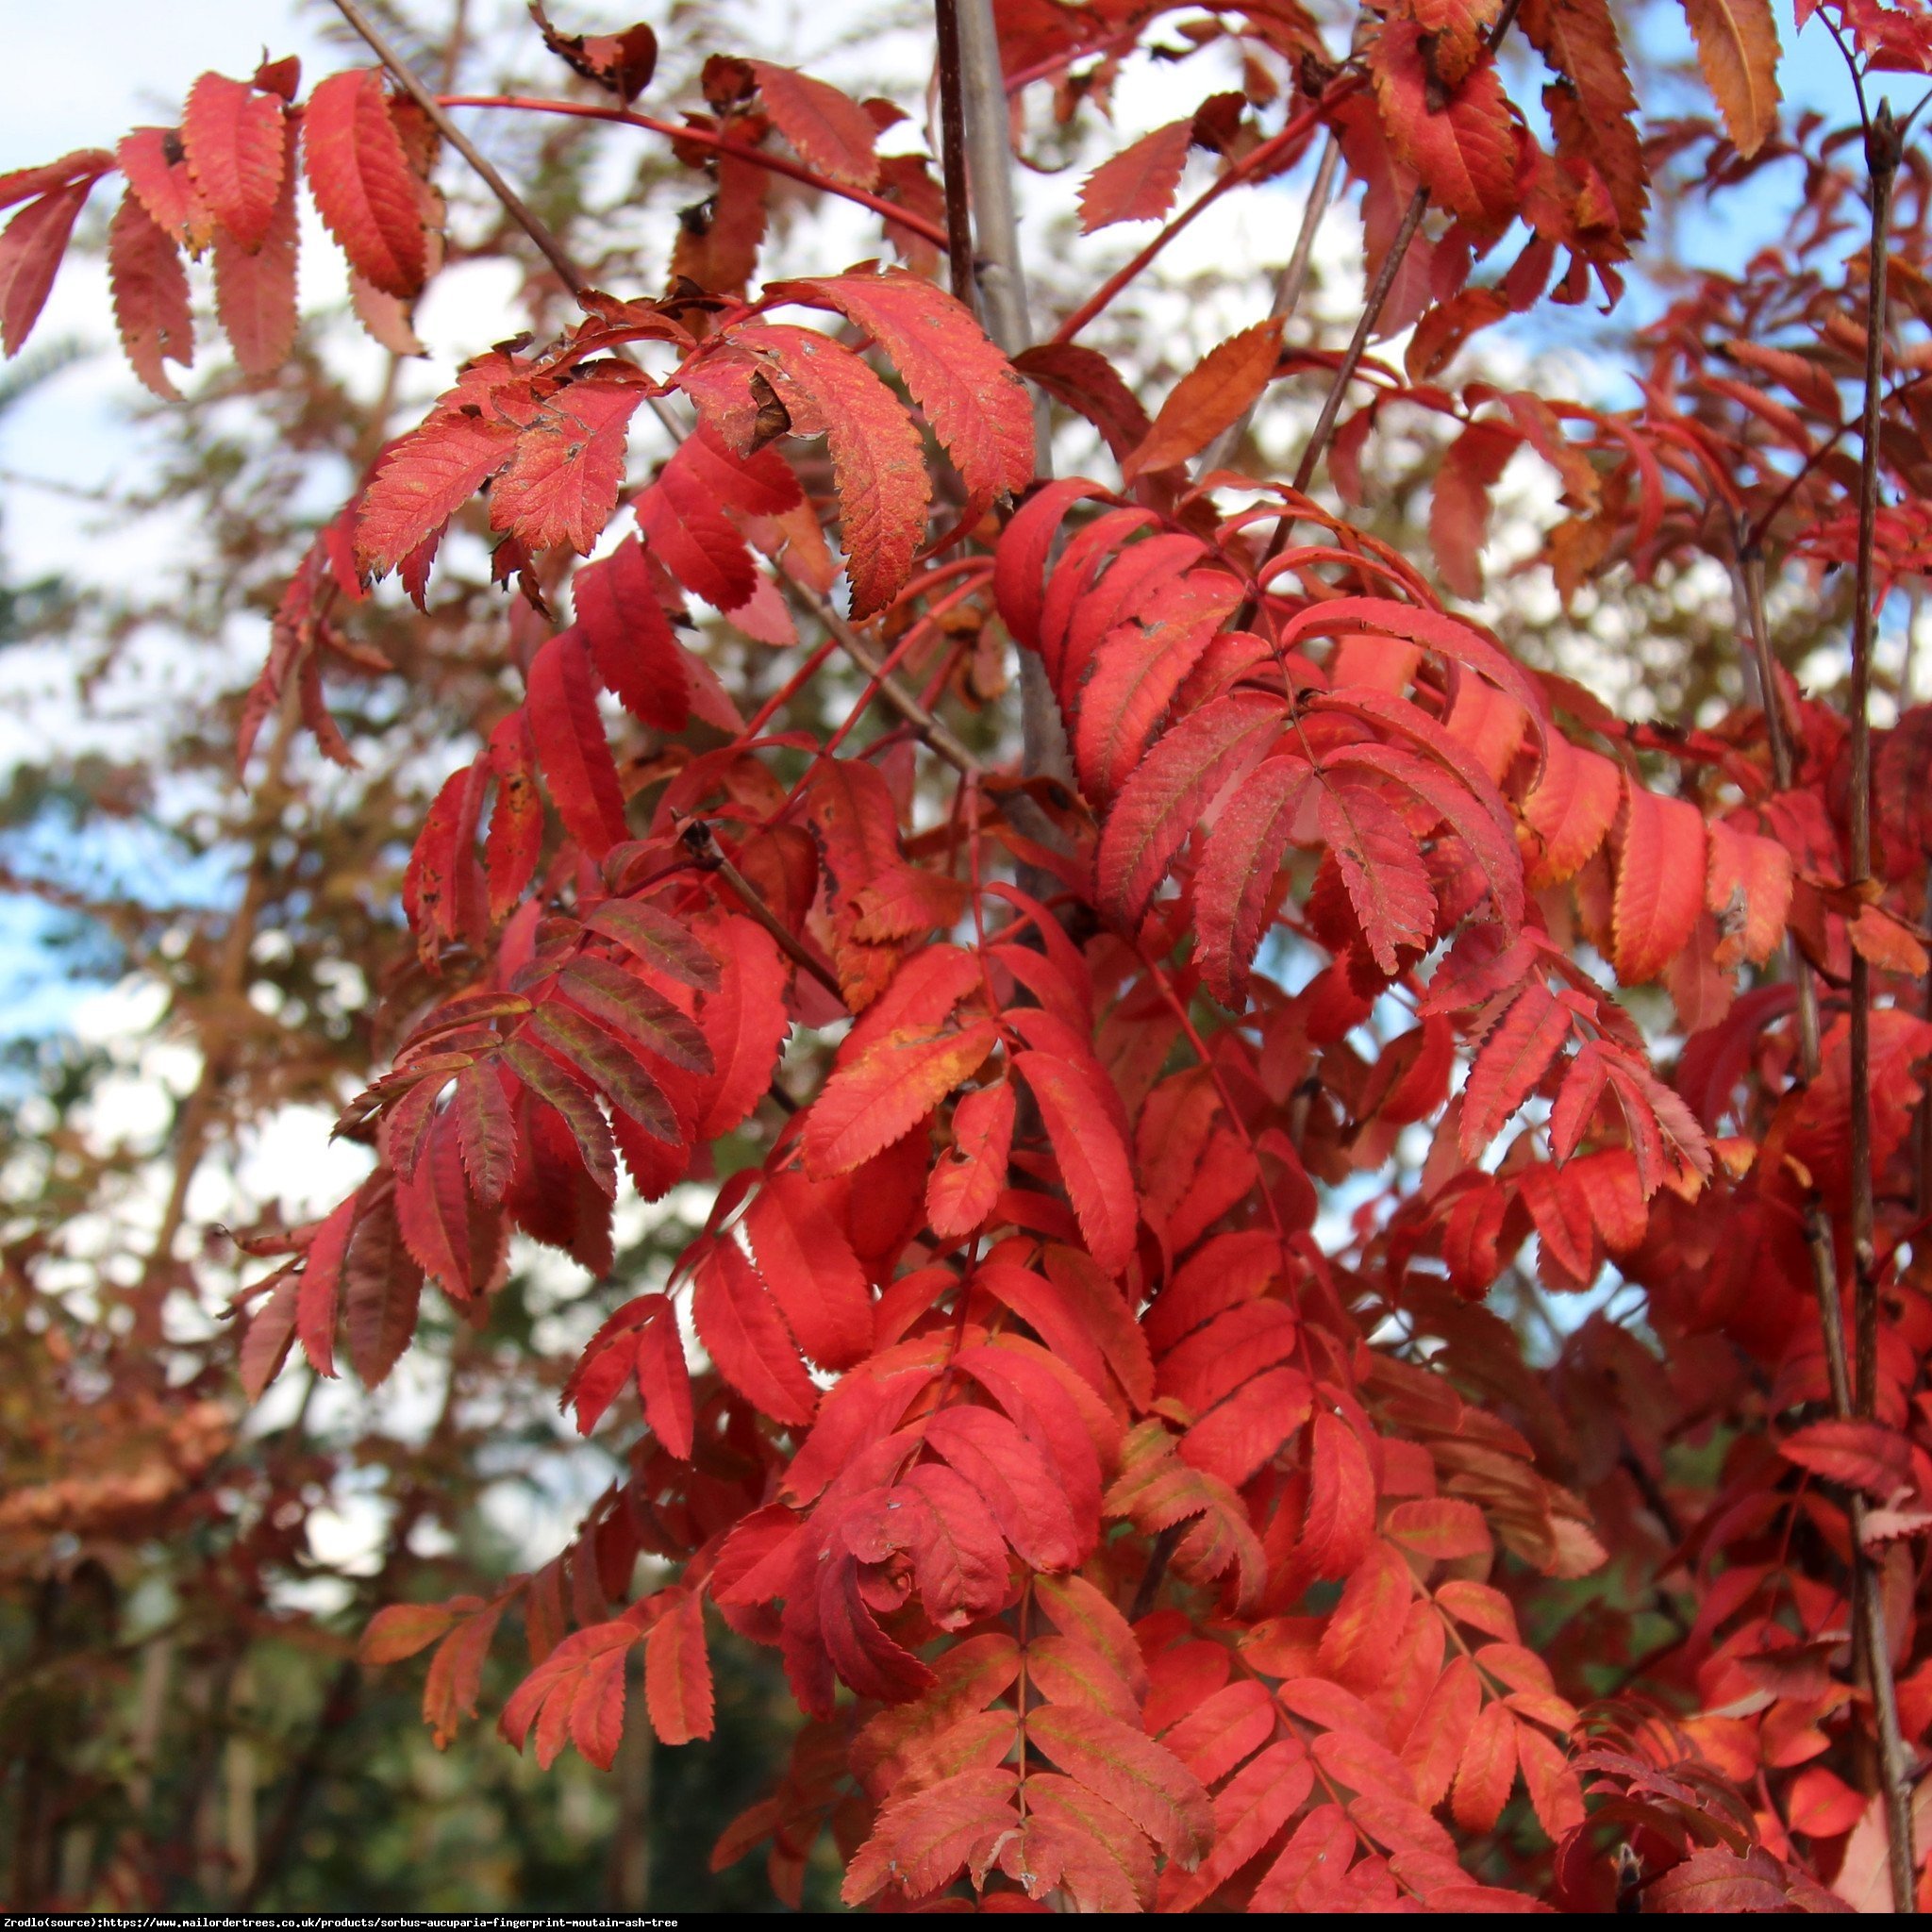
<point x="706" y="850"/>
<point x="701" y="137"/>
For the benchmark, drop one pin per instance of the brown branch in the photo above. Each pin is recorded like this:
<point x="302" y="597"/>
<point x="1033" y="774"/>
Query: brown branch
<point x="959" y="261"/>
<point x="1882" y="159"/>
<point x="705" y="849"/>
<point x="1882" y="149"/>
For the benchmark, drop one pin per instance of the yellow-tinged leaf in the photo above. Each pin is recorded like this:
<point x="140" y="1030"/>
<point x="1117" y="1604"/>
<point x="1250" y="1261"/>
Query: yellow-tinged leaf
<point x="1737" y="47"/>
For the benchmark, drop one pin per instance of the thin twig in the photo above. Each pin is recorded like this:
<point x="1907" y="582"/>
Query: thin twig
<point x="718" y="144"/>
<point x="1288" y="290"/>
<point x="1882" y="158"/>
<point x="697" y="836"/>
<point x="1331" y="403"/>
<point x="551" y="248"/>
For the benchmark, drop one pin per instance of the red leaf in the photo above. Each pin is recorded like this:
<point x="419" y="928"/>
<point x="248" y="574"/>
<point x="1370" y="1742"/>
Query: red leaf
<point x="1459" y="509"/>
<point x="565" y="471"/>
<point x="664" y="1384"/>
<point x="630" y="639"/>
<point x="30" y="253"/>
<point x="1487" y="1771"/>
<point x="362" y="183"/>
<point x="1341" y="1499"/>
<point x="1134" y="673"/>
<point x="830" y="130"/>
<point x="941" y="1521"/>
<point x="1234" y="886"/>
<point x="1464" y="150"/>
<point x="740" y="1325"/>
<point x="516" y="820"/>
<point x="425" y="479"/>
<point x="1020" y="1488"/>
<point x="150" y="288"/>
<point x="315" y="1306"/>
<point x="922" y="1840"/>
<point x="1821" y="1805"/>
<point x="888" y="1091"/>
<point x="1382" y="867"/>
<point x="1104" y="1313"/>
<point x="1138" y="183"/>
<point x="1208" y="752"/>
<point x="1257" y="1803"/>
<point x="1660" y="872"/>
<point x="1089" y="385"/>
<point x="1307" y="1875"/>
<point x="237" y="153"/>
<point x="965" y="1184"/>
<point x="876" y="460"/>
<point x="1131" y="1772"/>
<point x="606" y="1063"/>
<point x="979" y="408"/>
<point x="573" y="1102"/>
<point x="1236" y="1437"/>
<point x="1025" y="546"/>
<point x="382" y="1290"/>
<point x="1716" y="1880"/>
<point x="1513" y="1058"/>
<point x="692" y="538"/>
<point x="1434" y="1747"/>
<point x="744" y="1021"/>
<point x="572" y="747"/>
<point x="89" y="163"/>
<point x="678" y="1674"/>
<point x="1092" y="1157"/>
<point x="270" y="1331"/>
<point x="1572" y="809"/>
<point x="808" y="1265"/>
<point x="1867" y="1456"/>
<point x="156" y="170"/>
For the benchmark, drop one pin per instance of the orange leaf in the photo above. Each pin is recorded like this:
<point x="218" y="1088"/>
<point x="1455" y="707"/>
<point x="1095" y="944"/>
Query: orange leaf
<point x="888" y="1091"/>
<point x="1661" y="876"/>
<point x="1737" y="47"/>
<point x="1211" y="395"/>
<point x="1488" y="1770"/>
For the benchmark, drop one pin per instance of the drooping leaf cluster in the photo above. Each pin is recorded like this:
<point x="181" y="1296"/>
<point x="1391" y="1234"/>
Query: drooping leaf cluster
<point x="1088" y="1391"/>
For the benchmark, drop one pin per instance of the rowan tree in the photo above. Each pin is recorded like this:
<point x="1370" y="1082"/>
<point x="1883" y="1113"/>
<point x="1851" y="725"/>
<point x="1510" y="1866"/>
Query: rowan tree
<point x="1302" y="1289"/>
